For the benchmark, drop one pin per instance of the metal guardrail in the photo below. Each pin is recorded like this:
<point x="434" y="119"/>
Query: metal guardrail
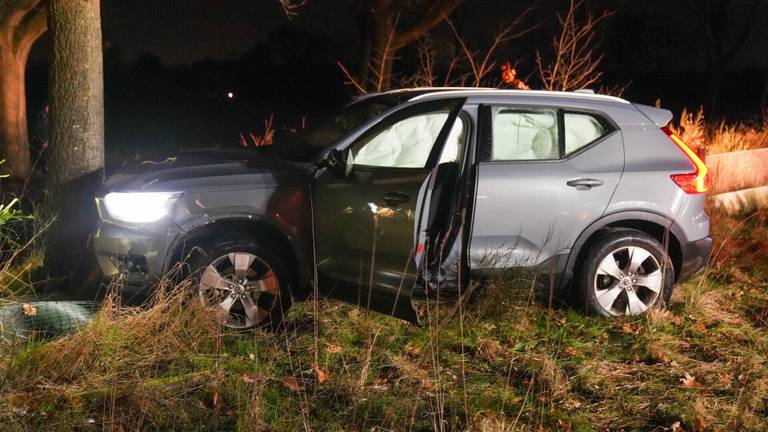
<point x="739" y="170"/>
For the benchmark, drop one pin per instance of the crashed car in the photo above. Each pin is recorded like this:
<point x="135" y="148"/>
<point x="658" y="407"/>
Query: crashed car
<point x="407" y="192"/>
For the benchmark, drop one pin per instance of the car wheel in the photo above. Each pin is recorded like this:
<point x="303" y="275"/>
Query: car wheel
<point x="245" y="283"/>
<point x="625" y="272"/>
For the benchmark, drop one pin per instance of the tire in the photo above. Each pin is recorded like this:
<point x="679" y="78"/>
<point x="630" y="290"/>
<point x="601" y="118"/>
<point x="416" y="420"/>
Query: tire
<point x="642" y="277"/>
<point x="236" y="274"/>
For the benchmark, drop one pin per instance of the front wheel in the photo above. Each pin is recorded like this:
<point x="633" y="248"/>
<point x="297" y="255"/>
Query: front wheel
<point x="243" y="282"/>
<point x="625" y="272"/>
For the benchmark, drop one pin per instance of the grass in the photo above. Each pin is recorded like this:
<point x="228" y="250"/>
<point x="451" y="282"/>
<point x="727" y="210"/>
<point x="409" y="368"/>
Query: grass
<point x="503" y="363"/>
<point x="720" y="137"/>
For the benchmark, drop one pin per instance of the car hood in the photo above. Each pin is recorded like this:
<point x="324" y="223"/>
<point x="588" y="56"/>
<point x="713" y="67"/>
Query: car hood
<point x="209" y="170"/>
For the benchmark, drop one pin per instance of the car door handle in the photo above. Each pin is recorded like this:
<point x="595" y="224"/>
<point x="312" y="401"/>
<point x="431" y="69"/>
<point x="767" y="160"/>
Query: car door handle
<point x="584" y="183"/>
<point x="393" y="199"/>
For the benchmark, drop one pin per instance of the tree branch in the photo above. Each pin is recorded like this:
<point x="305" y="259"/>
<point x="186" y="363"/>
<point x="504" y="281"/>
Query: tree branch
<point x="432" y="17"/>
<point x="291" y="7"/>
<point x="350" y="79"/>
<point x="31" y="27"/>
<point x="13" y="11"/>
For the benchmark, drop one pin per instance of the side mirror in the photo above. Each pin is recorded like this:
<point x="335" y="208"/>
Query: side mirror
<point x="338" y="163"/>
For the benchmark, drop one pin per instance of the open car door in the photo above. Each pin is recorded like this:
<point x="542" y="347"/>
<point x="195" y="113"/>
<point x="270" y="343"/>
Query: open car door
<point x="367" y="220"/>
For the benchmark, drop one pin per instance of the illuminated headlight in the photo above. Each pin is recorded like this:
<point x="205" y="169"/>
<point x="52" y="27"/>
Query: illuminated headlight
<point x="139" y="207"/>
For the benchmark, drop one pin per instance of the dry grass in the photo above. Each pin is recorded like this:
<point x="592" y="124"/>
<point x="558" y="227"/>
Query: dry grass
<point x="720" y="137"/>
<point x="506" y="362"/>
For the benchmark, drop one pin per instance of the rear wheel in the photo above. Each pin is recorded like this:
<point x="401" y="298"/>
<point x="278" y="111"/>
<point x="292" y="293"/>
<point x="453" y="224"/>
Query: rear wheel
<point x="243" y="282"/>
<point x="625" y="272"/>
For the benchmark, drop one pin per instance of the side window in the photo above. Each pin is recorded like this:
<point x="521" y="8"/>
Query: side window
<point x="580" y="130"/>
<point x="405" y="143"/>
<point x="523" y="134"/>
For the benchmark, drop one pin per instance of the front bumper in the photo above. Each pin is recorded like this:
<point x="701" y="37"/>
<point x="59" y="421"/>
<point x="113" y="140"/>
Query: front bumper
<point x="695" y="257"/>
<point x="139" y="253"/>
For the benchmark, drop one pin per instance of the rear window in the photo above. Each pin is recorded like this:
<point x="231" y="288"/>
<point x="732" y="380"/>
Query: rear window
<point x="524" y="134"/>
<point x="530" y="134"/>
<point x="581" y="130"/>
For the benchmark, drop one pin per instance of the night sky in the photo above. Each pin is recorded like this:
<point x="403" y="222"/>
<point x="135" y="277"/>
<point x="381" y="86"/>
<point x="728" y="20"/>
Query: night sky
<point x="182" y="31"/>
<point x="170" y="63"/>
<point x="185" y="31"/>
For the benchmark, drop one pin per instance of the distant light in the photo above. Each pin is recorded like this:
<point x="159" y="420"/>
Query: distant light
<point x="231" y="95"/>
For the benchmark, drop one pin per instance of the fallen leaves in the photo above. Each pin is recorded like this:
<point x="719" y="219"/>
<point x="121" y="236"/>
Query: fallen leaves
<point x="28" y="310"/>
<point x="322" y="375"/>
<point x="292" y="384"/>
<point x="725" y="380"/>
<point x="249" y="379"/>
<point x="690" y="381"/>
<point x="380" y="385"/>
<point x="412" y="350"/>
<point x="699" y="327"/>
<point x="627" y="328"/>
<point x="570" y="352"/>
<point x="660" y="353"/>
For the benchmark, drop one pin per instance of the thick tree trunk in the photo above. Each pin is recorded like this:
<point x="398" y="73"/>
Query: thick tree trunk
<point x="76" y="161"/>
<point x="21" y="24"/>
<point x="14" y="139"/>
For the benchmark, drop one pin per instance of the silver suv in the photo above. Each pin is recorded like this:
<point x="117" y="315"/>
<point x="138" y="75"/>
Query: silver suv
<point x="412" y="191"/>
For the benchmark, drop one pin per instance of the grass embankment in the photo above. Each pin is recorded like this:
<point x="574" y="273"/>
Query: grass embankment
<point x="504" y="363"/>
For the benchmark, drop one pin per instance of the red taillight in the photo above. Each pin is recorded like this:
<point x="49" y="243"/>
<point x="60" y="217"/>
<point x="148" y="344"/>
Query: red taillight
<point x="697" y="181"/>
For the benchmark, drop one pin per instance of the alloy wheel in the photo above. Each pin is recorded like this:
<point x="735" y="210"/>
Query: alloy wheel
<point x="242" y="288"/>
<point x="628" y="281"/>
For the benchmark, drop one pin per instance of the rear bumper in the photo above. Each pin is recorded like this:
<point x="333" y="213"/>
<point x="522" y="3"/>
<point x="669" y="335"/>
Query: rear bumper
<point x="695" y="257"/>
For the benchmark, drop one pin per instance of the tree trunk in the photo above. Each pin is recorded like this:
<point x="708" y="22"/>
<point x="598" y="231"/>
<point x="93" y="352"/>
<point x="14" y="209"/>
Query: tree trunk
<point x="365" y="24"/>
<point x="21" y="24"/>
<point x="389" y="39"/>
<point x="76" y="161"/>
<point x="14" y="140"/>
<point x="384" y="50"/>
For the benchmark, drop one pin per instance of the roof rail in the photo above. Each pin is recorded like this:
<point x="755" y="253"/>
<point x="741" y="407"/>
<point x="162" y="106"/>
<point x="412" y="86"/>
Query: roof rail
<point x="533" y="93"/>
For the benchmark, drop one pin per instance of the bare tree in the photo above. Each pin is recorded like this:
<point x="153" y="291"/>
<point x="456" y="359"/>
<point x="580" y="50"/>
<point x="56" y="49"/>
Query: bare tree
<point x="482" y="63"/>
<point x="383" y="35"/>
<point x="466" y="65"/>
<point x="291" y="7"/>
<point x="21" y="24"/>
<point x="75" y="165"/>
<point x="574" y="65"/>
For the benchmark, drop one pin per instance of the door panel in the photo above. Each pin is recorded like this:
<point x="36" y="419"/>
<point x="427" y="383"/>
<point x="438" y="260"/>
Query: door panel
<point x="366" y="223"/>
<point x="359" y="231"/>
<point x="528" y="212"/>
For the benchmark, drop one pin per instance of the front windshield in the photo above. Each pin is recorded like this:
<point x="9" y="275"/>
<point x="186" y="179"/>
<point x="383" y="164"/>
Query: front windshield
<point x="307" y="144"/>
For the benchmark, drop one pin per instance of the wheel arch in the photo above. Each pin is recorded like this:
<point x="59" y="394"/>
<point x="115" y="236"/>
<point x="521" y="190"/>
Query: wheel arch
<point x="261" y="231"/>
<point x="663" y="229"/>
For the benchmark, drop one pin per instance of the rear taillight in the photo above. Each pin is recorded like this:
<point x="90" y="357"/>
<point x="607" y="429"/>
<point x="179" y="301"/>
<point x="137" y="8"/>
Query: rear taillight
<point x="697" y="181"/>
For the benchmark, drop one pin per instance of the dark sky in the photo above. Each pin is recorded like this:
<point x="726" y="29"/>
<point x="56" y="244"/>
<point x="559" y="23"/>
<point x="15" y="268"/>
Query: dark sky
<point x="185" y="31"/>
<point x="182" y="31"/>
